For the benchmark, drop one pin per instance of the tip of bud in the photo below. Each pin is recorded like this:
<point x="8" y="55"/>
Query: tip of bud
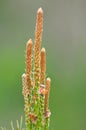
<point x="40" y="10"/>
<point x="48" y="79"/>
<point x="43" y="50"/>
<point x="29" y="41"/>
<point x="23" y="75"/>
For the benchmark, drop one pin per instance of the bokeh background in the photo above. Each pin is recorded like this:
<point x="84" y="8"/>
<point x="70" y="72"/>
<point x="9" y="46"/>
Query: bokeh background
<point x="64" y="37"/>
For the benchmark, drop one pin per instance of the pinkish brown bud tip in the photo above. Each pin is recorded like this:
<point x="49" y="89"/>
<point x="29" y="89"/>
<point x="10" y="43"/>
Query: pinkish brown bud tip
<point x="43" y="50"/>
<point x="48" y="79"/>
<point x="40" y="11"/>
<point x="29" y="41"/>
<point x="23" y="76"/>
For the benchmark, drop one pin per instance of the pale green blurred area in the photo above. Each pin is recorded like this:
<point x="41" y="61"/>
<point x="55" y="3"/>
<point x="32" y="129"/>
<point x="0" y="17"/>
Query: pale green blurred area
<point x="64" y="37"/>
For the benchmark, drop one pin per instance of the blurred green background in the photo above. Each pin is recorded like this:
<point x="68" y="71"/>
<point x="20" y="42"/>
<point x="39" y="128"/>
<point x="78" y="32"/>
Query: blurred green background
<point x="64" y="37"/>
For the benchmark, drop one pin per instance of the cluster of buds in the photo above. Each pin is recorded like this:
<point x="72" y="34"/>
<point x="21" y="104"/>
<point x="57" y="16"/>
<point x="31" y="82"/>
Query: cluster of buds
<point x="36" y="87"/>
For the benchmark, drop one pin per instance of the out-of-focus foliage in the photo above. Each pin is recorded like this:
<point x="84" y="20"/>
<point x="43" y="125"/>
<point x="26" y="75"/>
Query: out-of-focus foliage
<point x="18" y="125"/>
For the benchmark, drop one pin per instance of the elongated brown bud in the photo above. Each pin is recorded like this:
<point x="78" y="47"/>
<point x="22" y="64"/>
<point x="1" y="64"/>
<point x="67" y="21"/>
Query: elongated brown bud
<point x="24" y="80"/>
<point x="25" y="90"/>
<point x="25" y="93"/>
<point x="29" y="57"/>
<point x="39" y="26"/>
<point x="48" y="81"/>
<point x="29" y="62"/>
<point x="43" y="65"/>
<point x="24" y="84"/>
<point x="37" y="45"/>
